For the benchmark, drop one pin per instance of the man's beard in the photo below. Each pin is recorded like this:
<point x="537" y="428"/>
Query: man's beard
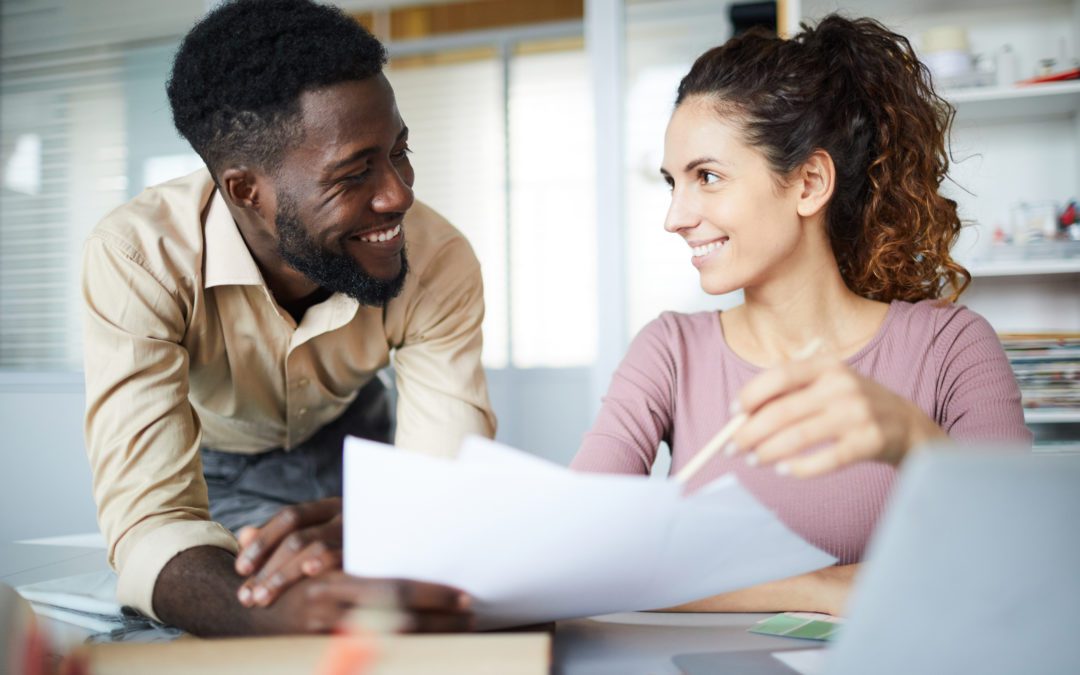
<point x="333" y="271"/>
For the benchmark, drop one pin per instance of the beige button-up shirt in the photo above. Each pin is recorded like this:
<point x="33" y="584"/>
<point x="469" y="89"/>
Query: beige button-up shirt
<point x="186" y="347"/>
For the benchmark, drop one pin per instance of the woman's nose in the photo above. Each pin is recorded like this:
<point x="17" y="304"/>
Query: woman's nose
<point x="681" y="213"/>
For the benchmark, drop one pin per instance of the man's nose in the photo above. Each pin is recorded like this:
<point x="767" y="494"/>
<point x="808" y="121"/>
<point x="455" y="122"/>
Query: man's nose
<point x="394" y="194"/>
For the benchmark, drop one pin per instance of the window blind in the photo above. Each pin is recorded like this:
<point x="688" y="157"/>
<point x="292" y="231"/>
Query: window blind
<point x="62" y="136"/>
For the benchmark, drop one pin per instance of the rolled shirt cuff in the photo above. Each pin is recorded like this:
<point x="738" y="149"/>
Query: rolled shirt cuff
<point x="148" y="556"/>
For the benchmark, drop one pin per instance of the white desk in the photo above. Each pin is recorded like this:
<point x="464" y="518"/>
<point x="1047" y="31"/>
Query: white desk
<point x="643" y="643"/>
<point x="619" y="644"/>
<point x="29" y="563"/>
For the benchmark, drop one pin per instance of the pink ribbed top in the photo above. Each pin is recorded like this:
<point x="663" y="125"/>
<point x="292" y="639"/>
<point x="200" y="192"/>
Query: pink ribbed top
<point x="679" y="377"/>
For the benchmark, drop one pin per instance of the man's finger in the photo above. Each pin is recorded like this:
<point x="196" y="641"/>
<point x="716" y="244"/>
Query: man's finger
<point x="317" y="562"/>
<point x="418" y="595"/>
<point x="287" y="520"/>
<point x="286" y="565"/>
<point x="392" y="593"/>
<point x="436" y="622"/>
<point x="246" y="535"/>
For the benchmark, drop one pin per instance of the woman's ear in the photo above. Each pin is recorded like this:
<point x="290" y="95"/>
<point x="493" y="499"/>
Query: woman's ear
<point x="817" y="179"/>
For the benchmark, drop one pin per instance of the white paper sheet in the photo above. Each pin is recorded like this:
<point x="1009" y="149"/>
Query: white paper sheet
<point x="88" y="540"/>
<point x="533" y="542"/>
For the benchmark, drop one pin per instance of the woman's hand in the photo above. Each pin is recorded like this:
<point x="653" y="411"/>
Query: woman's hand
<point x="818" y="401"/>
<point x="299" y="541"/>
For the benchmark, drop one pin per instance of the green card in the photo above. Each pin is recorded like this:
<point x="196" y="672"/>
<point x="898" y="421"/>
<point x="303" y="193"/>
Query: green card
<point x="804" y="625"/>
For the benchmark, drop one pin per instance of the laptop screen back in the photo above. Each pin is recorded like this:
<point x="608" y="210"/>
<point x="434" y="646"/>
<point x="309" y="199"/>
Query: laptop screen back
<point x="975" y="568"/>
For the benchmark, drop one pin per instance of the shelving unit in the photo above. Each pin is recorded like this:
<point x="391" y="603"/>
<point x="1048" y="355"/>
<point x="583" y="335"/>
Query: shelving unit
<point x="1010" y="144"/>
<point x="1024" y="268"/>
<point x="1052" y="416"/>
<point x="1024" y="103"/>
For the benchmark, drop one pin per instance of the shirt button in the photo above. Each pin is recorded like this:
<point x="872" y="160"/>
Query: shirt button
<point x="303" y="411"/>
<point x="302" y="382"/>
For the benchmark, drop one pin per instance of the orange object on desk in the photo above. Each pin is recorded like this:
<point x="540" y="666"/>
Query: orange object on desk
<point x="1071" y="74"/>
<point x="349" y="654"/>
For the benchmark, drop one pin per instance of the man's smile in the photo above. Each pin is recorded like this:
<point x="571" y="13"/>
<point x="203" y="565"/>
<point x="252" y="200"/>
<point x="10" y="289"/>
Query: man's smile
<point x="386" y="234"/>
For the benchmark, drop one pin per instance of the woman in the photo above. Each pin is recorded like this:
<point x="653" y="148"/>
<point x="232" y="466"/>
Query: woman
<point x="806" y="173"/>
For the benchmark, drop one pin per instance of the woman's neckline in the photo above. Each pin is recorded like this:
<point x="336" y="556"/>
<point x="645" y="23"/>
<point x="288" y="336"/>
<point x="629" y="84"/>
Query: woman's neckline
<point x="851" y="360"/>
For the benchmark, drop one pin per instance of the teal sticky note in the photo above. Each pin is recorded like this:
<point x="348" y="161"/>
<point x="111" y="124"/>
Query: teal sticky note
<point x="794" y="626"/>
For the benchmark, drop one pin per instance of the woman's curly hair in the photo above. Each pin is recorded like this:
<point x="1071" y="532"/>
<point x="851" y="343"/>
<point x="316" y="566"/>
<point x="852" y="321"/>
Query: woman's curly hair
<point x="856" y="90"/>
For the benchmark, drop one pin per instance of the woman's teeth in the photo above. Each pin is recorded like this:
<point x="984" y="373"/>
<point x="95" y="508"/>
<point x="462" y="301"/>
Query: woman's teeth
<point x="699" y="251"/>
<point x="383" y="235"/>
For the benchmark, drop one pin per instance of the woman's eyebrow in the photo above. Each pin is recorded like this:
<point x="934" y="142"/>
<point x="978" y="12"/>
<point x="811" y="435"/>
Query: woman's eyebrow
<point x="695" y="163"/>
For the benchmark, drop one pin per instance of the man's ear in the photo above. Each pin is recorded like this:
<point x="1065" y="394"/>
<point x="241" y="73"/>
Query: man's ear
<point x="817" y="180"/>
<point x="244" y="188"/>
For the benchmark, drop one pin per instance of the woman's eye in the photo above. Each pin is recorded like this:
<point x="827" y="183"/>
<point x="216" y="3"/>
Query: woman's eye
<point x="709" y="178"/>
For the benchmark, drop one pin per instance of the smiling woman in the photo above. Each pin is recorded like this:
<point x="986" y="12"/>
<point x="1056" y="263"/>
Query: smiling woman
<point x="805" y="173"/>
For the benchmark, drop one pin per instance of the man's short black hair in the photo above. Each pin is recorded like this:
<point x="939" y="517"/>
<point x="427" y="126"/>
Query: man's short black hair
<point x="238" y="75"/>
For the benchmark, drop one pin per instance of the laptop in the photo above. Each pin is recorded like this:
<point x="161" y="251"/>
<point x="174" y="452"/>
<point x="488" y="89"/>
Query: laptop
<point x="975" y="568"/>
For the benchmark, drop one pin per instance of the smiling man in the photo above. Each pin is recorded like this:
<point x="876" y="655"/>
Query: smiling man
<point x="237" y="318"/>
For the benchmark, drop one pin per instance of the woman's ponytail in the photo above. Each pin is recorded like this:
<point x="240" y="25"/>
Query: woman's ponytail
<point x="856" y="90"/>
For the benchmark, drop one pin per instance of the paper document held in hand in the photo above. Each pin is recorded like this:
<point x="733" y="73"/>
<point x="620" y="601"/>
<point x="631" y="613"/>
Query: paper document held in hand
<point x="533" y="542"/>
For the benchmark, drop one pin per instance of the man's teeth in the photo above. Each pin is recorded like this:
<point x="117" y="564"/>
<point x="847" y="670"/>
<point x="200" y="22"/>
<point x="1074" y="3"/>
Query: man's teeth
<point x="699" y="251"/>
<point x="383" y="235"/>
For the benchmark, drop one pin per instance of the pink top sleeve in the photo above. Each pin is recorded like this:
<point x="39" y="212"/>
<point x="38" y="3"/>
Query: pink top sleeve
<point x="637" y="411"/>
<point x="977" y="395"/>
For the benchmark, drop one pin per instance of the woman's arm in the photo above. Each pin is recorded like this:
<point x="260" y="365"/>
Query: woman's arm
<point x="825" y="591"/>
<point x="636" y="414"/>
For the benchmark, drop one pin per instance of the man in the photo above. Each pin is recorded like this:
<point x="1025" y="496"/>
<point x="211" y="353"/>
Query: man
<point x="237" y="317"/>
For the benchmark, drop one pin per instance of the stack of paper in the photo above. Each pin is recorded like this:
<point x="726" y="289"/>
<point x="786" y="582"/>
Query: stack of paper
<point x="1047" y="368"/>
<point x="534" y="542"/>
<point x="84" y="600"/>
<point x="88" y="601"/>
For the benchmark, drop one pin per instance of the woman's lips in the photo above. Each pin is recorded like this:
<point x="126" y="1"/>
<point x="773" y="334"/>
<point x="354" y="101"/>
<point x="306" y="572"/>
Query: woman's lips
<point x="702" y="253"/>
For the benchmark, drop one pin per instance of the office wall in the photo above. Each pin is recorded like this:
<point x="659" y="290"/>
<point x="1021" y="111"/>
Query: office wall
<point x="44" y="475"/>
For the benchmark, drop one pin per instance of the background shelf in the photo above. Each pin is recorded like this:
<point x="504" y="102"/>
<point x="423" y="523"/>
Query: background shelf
<point x="1050" y="416"/>
<point x="1019" y="102"/>
<point x="1016" y="268"/>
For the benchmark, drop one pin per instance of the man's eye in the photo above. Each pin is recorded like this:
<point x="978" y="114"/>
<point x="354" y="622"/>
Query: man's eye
<point x="401" y="154"/>
<point x="356" y="177"/>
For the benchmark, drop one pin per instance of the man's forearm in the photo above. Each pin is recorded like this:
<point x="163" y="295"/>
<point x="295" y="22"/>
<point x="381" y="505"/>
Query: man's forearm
<point x="196" y="591"/>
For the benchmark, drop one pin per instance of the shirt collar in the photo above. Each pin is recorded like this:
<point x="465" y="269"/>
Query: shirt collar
<point x="228" y="262"/>
<point x="226" y="258"/>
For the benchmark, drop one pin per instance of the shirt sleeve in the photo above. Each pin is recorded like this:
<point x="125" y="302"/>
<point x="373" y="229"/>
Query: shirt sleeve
<point x="978" y="397"/>
<point x="442" y="390"/>
<point x="142" y="436"/>
<point x="637" y="412"/>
